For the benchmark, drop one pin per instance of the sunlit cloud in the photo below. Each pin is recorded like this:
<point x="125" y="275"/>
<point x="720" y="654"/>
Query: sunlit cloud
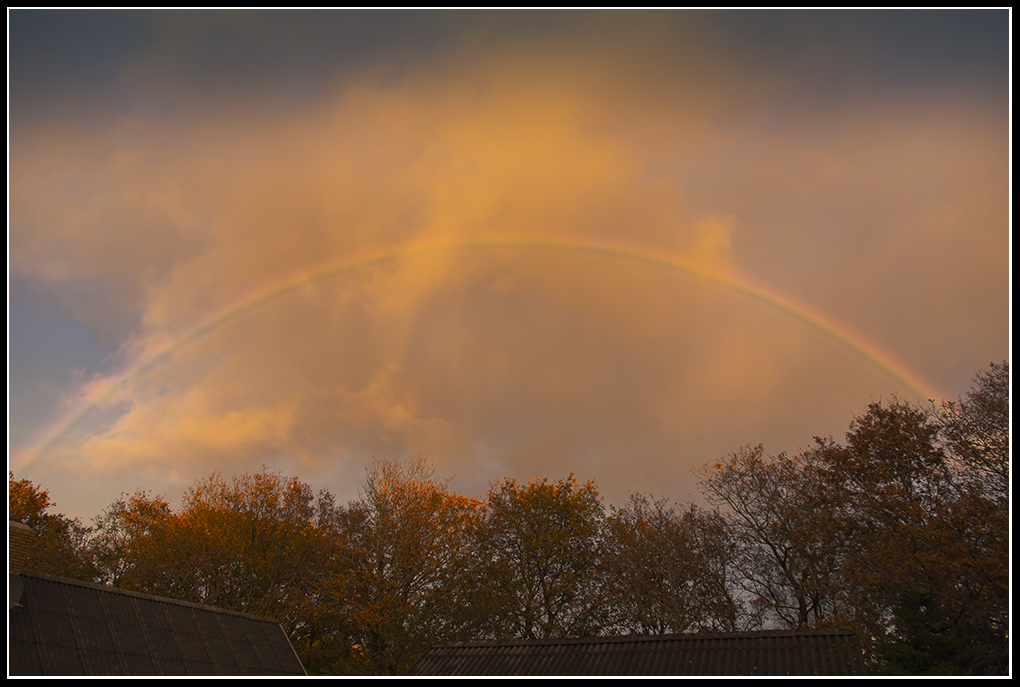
<point x="607" y="250"/>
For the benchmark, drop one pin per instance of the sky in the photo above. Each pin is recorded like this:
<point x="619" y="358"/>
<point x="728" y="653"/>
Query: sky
<point x="521" y="244"/>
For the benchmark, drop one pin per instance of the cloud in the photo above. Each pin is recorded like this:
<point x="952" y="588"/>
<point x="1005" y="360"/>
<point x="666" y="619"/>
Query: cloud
<point x="168" y="227"/>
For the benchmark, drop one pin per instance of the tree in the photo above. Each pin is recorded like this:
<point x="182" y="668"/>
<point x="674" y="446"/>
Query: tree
<point x="413" y="547"/>
<point x="924" y="530"/>
<point x="900" y="533"/>
<point x="131" y="544"/>
<point x="935" y="591"/>
<point x="976" y="431"/>
<point x="892" y="475"/>
<point x="542" y="544"/>
<point x="326" y="636"/>
<point x="944" y="566"/>
<point x="788" y="543"/>
<point x="669" y="570"/>
<point x="60" y="543"/>
<point x="924" y="644"/>
<point x="255" y="540"/>
<point x="963" y="576"/>
<point x="250" y="544"/>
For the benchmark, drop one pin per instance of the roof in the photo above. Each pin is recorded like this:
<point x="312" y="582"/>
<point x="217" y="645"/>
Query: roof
<point x="809" y="652"/>
<point x="68" y="627"/>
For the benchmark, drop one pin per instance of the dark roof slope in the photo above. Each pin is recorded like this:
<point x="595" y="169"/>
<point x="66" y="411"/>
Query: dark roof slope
<point x="748" y="653"/>
<point x="68" y="627"/>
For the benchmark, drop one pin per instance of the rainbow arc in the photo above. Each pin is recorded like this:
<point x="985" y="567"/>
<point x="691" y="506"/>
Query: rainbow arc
<point x="155" y="353"/>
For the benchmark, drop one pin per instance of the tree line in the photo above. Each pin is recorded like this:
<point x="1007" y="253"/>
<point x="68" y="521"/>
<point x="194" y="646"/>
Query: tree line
<point x="901" y="534"/>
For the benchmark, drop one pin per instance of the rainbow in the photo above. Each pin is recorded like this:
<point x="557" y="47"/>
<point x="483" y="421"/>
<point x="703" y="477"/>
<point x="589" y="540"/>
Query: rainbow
<point x="156" y="352"/>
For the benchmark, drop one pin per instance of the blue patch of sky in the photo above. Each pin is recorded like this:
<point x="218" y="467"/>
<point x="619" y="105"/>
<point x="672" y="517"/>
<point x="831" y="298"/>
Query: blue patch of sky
<point x="53" y="351"/>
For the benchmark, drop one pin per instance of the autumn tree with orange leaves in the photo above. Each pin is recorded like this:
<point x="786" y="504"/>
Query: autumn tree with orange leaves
<point x="60" y="542"/>
<point x="133" y="544"/>
<point x="541" y="547"/>
<point x="249" y="544"/>
<point x="413" y="548"/>
<point x="901" y="532"/>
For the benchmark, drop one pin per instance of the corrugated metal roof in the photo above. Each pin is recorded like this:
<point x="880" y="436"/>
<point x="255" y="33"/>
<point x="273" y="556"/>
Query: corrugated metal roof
<point x="69" y="627"/>
<point x="809" y="652"/>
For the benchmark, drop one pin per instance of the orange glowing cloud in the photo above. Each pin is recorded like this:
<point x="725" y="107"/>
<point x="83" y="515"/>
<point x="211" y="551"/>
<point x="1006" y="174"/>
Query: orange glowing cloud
<point x="601" y="251"/>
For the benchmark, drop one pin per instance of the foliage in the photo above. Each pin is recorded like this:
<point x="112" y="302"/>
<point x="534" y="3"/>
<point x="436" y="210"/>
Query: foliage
<point x="254" y="539"/>
<point x="249" y="544"/>
<point x="412" y="545"/>
<point x="60" y="541"/>
<point x="931" y="529"/>
<point x="901" y="533"/>
<point x="889" y="480"/>
<point x="668" y="570"/>
<point x="976" y="430"/>
<point x="787" y="543"/>
<point x="325" y="637"/>
<point x="925" y="645"/>
<point x="541" y="550"/>
<point x="129" y="543"/>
